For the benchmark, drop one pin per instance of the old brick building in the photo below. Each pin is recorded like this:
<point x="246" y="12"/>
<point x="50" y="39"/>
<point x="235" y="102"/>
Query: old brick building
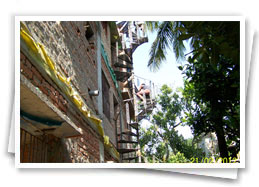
<point x="76" y="91"/>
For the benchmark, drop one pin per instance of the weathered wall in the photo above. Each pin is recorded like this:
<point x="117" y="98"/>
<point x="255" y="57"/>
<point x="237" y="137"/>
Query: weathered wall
<point x="84" y="148"/>
<point x="73" y="54"/>
<point x="66" y="44"/>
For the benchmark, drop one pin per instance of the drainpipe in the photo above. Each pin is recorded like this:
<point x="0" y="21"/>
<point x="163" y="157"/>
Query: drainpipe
<point x="99" y="80"/>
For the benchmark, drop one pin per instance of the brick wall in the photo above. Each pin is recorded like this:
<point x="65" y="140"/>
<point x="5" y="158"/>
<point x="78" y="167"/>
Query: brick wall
<point x="66" y="44"/>
<point x="105" y="37"/>
<point x="83" y="148"/>
<point x="108" y="157"/>
<point x="31" y="73"/>
<point x="73" y="54"/>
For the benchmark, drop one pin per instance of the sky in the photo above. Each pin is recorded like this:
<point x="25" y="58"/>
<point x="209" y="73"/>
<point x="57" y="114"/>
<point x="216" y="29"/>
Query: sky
<point x="167" y="74"/>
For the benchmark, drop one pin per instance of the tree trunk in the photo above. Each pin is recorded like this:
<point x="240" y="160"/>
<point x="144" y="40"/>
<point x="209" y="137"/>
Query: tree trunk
<point x="218" y="125"/>
<point x="222" y="142"/>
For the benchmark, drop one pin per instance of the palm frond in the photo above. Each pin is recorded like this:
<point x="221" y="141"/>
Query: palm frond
<point x="179" y="49"/>
<point x="159" y="46"/>
<point x="157" y="55"/>
<point x="152" y="25"/>
<point x="178" y="46"/>
<point x="167" y="37"/>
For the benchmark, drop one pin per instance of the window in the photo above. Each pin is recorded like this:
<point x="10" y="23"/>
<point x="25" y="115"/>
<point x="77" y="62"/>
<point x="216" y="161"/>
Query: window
<point x="88" y="31"/>
<point x="106" y="97"/>
<point x="105" y="27"/>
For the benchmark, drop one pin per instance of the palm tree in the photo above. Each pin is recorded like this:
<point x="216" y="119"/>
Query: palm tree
<point x="167" y="34"/>
<point x="204" y="36"/>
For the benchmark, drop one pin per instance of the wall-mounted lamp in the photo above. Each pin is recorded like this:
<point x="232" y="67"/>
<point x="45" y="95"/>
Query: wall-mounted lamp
<point x="93" y="92"/>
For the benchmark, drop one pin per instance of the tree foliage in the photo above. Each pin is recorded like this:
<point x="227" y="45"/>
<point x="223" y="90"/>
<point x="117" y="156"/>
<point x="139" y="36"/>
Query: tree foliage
<point x="161" y="139"/>
<point x="212" y="75"/>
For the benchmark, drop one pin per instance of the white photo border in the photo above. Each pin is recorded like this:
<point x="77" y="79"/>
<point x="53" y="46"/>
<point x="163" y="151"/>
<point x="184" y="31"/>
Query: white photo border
<point x="129" y="165"/>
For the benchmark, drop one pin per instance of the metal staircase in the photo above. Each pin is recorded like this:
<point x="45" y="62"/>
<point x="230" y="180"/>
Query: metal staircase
<point x="132" y="35"/>
<point x="130" y="137"/>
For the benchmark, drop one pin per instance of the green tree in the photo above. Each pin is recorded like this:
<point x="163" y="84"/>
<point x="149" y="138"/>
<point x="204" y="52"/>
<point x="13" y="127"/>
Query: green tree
<point x="178" y="158"/>
<point x="211" y="74"/>
<point x="161" y="139"/>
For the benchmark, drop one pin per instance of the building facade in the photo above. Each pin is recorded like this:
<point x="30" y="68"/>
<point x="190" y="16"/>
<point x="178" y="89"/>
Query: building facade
<point x="76" y="92"/>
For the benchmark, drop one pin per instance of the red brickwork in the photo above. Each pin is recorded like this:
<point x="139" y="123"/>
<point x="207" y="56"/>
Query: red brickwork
<point x="108" y="157"/>
<point x="75" y="56"/>
<point x="84" y="148"/>
<point x="31" y="73"/>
